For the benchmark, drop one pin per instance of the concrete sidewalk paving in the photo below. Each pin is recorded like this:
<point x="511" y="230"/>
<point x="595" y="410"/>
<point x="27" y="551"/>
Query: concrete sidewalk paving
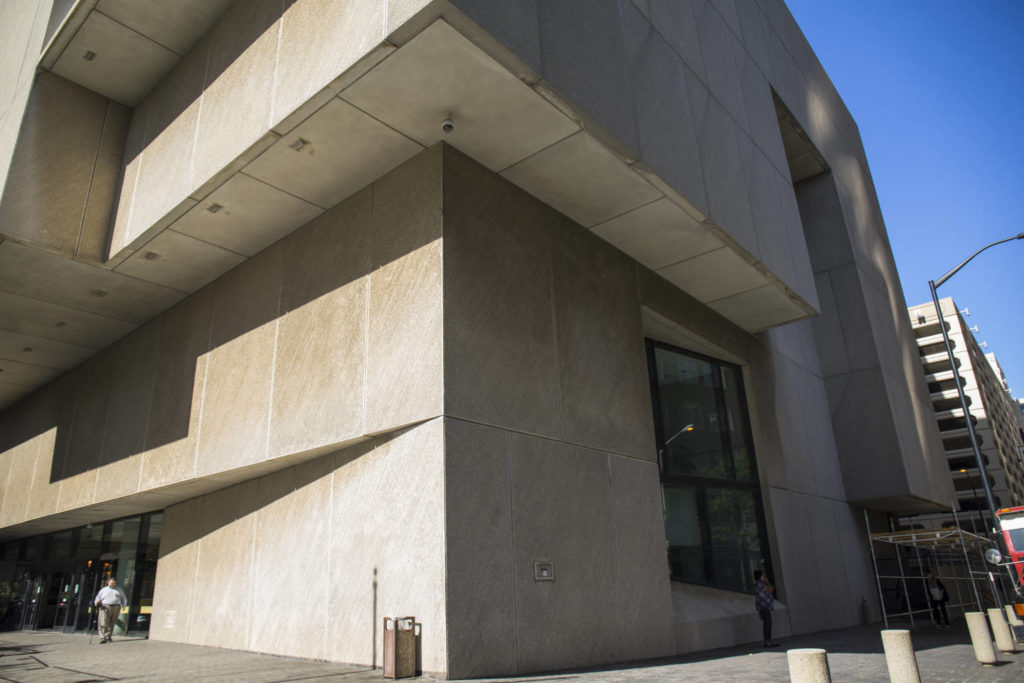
<point x="855" y="654"/>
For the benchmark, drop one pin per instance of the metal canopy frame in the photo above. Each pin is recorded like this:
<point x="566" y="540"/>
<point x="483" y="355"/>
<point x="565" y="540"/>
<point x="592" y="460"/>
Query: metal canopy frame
<point x="960" y="553"/>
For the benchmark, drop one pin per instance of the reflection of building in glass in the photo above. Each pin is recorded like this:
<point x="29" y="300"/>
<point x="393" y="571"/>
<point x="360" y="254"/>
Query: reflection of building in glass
<point x="553" y="378"/>
<point x="994" y="413"/>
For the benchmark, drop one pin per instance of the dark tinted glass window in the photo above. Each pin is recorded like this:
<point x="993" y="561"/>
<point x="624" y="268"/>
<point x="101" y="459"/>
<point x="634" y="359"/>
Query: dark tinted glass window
<point x="714" y="522"/>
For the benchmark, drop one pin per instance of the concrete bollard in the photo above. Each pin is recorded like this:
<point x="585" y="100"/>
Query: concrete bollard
<point x="808" y="665"/>
<point x="899" y="656"/>
<point x="1004" y="637"/>
<point x="1011" y="616"/>
<point x="977" y="624"/>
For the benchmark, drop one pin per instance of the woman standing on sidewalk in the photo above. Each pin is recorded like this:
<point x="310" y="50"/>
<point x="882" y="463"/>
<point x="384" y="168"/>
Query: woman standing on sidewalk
<point x="764" y="600"/>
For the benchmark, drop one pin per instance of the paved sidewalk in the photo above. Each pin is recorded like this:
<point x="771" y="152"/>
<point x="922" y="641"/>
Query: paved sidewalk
<point x="855" y="654"/>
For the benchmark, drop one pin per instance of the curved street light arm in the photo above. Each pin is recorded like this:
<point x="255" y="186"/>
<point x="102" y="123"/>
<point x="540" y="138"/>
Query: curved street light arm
<point x="933" y="285"/>
<point x="953" y="272"/>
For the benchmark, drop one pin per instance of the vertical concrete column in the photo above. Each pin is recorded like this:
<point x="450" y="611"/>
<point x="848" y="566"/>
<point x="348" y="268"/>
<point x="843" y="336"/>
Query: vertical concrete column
<point x="977" y="624"/>
<point x="1004" y="637"/>
<point x="899" y="656"/>
<point x="808" y="665"/>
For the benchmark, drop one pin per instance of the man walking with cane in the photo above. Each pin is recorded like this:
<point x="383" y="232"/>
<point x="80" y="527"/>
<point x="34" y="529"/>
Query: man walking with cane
<point x="109" y="600"/>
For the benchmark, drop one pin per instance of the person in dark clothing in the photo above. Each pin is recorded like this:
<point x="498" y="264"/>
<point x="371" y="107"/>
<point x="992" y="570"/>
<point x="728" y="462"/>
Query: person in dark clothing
<point x="764" y="601"/>
<point x="938" y="597"/>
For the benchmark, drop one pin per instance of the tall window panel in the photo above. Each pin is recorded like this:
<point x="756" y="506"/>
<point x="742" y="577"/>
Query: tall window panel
<point x="714" y="519"/>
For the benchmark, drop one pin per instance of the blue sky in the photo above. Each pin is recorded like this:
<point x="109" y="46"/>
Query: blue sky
<point x="937" y="89"/>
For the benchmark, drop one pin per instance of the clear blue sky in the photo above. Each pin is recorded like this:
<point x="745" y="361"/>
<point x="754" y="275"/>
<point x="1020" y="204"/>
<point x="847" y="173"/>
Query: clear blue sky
<point x="937" y="89"/>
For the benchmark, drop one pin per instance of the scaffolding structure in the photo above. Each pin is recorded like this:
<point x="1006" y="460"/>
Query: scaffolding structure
<point x="902" y="559"/>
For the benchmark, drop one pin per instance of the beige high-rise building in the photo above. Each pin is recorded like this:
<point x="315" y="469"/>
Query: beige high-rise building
<point x="546" y="322"/>
<point x="995" y="415"/>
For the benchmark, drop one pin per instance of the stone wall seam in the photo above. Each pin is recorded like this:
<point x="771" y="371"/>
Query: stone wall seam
<point x="195" y="581"/>
<point x="615" y="538"/>
<point x="330" y="556"/>
<point x="512" y="554"/>
<point x="198" y="124"/>
<point x="531" y="435"/>
<point x="92" y="177"/>
<point x="253" y="555"/>
<point x="795" y="492"/>
<point x="277" y="62"/>
<point x="202" y="397"/>
<point x="549" y="250"/>
<point x="150" y="393"/>
<point x="273" y="370"/>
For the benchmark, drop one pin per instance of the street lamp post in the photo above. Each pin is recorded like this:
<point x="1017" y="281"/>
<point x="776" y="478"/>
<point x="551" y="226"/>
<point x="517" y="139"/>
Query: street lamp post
<point x="933" y="285"/>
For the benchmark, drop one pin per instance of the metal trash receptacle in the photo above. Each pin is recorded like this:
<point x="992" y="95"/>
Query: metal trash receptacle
<point x="399" y="647"/>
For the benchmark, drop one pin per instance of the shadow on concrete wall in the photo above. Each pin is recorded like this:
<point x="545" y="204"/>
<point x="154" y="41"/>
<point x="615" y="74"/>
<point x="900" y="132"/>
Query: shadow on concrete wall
<point x="138" y="394"/>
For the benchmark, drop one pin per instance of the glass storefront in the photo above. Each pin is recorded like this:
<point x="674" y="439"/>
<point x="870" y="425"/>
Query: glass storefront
<point x="714" y="520"/>
<point x="49" y="581"/>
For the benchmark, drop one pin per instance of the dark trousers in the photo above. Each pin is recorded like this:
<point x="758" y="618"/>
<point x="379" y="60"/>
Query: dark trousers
<point x="939" y="613"/>
<point x="766" y="623"/>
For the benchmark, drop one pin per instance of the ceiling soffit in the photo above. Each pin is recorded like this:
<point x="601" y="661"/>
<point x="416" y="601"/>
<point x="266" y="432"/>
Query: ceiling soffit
<point x="381" y="118"/>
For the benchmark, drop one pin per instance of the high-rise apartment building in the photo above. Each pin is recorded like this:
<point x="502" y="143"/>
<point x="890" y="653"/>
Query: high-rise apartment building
<point x="545" y="322"/>
<point x="995" y="415"/>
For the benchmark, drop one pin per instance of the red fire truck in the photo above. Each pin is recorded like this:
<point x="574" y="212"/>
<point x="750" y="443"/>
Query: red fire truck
<point x="1011" y="525"/>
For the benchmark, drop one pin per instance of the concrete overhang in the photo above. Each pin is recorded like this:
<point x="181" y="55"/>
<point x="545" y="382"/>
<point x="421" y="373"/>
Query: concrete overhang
<point x="370" y="119"/>
<point x="123" y="48"/>
<point x="158" y="499"/>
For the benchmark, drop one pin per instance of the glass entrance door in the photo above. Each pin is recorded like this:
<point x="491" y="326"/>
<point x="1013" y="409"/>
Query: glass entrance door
<point x="31" y="601"/>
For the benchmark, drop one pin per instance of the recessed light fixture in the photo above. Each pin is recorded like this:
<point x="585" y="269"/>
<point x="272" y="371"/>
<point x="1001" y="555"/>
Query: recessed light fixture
<point x="214" y="208"/>
<point x="98" y="293"/>
<point x="61" y="323"/>
<point x="151" y="256"/>
<point x="89" y="55"/>
<point x="300" y="144"/>
<point x="27" y="349"/>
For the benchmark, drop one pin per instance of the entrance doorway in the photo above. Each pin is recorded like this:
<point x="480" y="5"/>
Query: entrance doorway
<point x="60" y="599"/>
<point x="49" y="582"/>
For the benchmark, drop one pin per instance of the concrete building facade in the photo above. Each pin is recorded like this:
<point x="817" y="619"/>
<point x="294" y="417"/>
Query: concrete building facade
<point x="555" y="379"/>
<point x="995" y="415"/>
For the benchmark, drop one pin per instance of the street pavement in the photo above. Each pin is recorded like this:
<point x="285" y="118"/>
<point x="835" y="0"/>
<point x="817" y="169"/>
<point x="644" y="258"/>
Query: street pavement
<point x="854" y="654"/>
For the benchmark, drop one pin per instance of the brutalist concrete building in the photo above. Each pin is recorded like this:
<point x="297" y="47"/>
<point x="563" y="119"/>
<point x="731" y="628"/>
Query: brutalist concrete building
<point x="546" y="322"/>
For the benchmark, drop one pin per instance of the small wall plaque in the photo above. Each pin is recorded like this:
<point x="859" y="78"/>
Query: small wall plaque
<point x="543" y="570"/>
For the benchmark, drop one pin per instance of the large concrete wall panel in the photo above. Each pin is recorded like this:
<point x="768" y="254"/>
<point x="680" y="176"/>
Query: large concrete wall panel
<point x="597" y="320"/>
<point x="131" y="394"/>
<point x="562" y="513"/>
<point x="480" y="567"/>
<point x="25" y="31"/>
<point x="179" y="385"/>
<point x="321" y="345"/>
<point x="500" y="353"/>
<point x="325" y="528"/>
<point x="320" y="39"/>
<point x="578" y="40"/>
<point x="160" y="148"/>
<point x="289" y="528"/>
<point x="239" y="373"/>
<point x="404" y="343"/>
<point x="238" y="86"/>
<point x="387" y="547"/>
<point x="71" y="137"/>
<point x="660" y="81"/>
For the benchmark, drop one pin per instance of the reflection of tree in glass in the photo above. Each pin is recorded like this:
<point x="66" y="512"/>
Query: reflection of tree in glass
<point x="734" y="534"/>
